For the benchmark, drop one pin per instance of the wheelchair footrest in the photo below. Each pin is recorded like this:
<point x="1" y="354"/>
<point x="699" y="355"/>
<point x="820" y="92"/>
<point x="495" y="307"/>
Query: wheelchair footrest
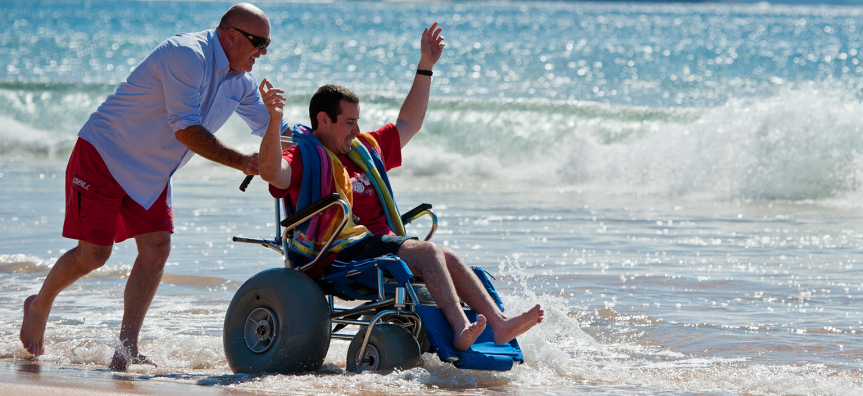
<point x="484" y="354"/>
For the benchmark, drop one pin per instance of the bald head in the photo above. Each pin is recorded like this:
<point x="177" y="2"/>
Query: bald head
<point x="241" y="32"/>
<point x="244" y="16"/>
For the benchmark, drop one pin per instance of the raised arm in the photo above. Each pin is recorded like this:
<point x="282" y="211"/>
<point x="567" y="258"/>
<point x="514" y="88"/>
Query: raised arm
<point x="274" y="169"/>
<point x="413" y="109"/>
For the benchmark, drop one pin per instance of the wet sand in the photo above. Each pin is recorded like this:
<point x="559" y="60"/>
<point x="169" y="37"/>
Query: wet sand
<point x="25" y="377"/>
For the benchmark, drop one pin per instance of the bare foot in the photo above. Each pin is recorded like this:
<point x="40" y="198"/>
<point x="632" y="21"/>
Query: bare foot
<point x="33" y="328"/>
<point x="126" y="356"/>
<point x="516" y="326"/>
<point x="464" y="340"/>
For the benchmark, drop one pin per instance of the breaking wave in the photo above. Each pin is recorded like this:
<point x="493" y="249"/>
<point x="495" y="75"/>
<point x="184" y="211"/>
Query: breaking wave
<point x="803" y="143"/>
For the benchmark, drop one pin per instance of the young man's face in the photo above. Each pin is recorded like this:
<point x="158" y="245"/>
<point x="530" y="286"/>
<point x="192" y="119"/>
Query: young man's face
<point x="337" y="136"/>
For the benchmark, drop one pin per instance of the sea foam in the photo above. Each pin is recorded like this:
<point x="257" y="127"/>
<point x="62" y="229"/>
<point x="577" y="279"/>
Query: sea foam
<point x="802" y="144"/>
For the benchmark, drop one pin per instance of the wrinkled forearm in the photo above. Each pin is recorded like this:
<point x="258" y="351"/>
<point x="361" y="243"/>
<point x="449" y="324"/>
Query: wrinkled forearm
<point x="202" y="142"/>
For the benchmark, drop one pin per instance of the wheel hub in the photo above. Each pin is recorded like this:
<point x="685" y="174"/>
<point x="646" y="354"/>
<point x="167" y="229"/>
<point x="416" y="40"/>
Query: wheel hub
<point x="370" y="360"/>
<point x="261" y="330"/>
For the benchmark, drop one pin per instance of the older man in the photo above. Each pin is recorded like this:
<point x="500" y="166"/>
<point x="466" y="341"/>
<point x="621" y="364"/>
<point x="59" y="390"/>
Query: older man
<point x="335" y="114"/>
<point x="118" y="177"/>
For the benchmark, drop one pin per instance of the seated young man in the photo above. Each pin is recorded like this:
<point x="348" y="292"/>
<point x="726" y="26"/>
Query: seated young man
<point x="334" y="113"/>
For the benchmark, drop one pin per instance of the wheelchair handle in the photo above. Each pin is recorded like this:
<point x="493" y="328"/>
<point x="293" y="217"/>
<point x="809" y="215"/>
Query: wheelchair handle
<point x="246" y="182"/>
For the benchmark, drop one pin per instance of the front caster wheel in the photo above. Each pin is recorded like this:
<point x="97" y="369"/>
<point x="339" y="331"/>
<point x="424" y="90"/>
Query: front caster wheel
<point x="390" y="347"/>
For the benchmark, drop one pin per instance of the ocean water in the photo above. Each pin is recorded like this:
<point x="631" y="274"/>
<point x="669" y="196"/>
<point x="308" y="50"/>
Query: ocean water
<point x="679" y="185"/>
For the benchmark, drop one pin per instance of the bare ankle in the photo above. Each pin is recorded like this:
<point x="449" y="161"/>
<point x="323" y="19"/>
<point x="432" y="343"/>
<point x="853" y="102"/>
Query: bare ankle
<point x="464" y="339"/>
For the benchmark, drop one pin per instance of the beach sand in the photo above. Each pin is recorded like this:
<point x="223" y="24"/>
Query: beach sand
<point x="25" y="377"/>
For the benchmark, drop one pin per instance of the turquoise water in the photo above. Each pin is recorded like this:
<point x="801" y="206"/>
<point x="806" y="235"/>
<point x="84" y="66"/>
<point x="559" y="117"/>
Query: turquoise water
<point x="678" y="184"/>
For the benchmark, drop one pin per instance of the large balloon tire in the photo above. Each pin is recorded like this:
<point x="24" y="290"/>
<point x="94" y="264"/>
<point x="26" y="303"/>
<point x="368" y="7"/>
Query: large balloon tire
<point x="390" y="347"/>
<point x="293" y="334"/>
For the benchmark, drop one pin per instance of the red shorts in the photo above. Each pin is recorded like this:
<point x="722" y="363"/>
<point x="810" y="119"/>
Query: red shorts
<point x="98" y="210"/>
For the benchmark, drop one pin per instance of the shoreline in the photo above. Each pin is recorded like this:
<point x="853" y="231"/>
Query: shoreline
<point x="20" y="377"/>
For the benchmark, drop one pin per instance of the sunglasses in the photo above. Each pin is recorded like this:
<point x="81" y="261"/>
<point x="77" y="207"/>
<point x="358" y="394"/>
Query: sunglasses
<point x="258" y="42"/>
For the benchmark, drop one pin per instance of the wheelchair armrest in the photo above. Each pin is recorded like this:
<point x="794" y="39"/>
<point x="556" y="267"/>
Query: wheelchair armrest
<point x="313" y="209"/>
<point x="419" y="211"/>
<point x="411" y="215"/>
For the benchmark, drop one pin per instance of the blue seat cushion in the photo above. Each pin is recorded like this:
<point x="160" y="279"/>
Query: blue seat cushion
<point x="359" y="279"/>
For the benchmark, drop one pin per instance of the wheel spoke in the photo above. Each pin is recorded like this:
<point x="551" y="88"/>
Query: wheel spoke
<point x="260" y="334"/>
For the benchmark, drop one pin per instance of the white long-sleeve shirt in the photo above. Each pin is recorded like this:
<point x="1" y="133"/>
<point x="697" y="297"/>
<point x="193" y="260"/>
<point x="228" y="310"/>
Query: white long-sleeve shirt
<point x="185" y="81"/>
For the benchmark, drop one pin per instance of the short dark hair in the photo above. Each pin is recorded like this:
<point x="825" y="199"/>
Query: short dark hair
<point x="328" y="99"/>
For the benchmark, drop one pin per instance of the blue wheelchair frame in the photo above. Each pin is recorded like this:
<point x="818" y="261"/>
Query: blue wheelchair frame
<point x="390" y="290"/>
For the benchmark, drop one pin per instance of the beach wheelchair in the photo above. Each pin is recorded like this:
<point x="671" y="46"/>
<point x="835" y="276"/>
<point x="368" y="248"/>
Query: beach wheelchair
<point x="282" y="321"/>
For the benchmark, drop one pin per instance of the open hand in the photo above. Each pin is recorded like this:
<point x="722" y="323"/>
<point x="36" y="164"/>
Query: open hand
<point x="431" y="46"/>
<point x="272" y="99"/>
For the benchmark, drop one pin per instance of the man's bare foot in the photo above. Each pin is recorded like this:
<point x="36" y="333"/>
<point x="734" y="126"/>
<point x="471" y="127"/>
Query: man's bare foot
<point x="464" y="340"/>
<point x="516" y="326"/>
<point x="126" y="356"/>
<point x="33" y="328"/>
